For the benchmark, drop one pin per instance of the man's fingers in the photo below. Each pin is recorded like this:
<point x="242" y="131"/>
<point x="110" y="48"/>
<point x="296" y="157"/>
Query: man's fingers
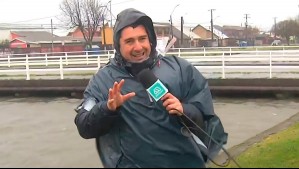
<point x="115" y="88"/>
<point x="168" y="102"/>
<point x="120" y="85"/>
<point x="167" y="96"/>
<point x="110" y="101"/>
<point x="110" y="93"/>
<point x="128" y="96"/>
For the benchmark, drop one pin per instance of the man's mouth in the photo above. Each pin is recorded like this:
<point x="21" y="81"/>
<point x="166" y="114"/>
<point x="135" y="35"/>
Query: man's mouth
<point x="137" y="55"/>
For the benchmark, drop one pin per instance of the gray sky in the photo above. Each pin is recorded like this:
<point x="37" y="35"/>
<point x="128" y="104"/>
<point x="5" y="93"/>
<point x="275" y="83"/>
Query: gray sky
<point x="227" y="12"/>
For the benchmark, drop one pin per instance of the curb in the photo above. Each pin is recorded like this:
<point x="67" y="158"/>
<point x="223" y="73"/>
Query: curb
<point x="238" y="149"/>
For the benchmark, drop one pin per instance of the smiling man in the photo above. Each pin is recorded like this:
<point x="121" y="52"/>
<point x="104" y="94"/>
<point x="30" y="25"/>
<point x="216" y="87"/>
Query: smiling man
<point x="130" y="127"/>
<point x="135" y="44"/>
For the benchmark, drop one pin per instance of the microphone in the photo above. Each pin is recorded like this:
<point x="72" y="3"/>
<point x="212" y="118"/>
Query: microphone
<point x="152" y="84"/>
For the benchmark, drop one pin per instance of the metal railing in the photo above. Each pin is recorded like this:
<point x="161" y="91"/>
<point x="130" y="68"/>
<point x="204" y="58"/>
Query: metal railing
<point x="212" y="63"/>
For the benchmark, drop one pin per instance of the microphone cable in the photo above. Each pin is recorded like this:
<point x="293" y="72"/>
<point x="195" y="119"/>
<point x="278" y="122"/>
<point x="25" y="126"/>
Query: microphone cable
<point x="199" y="128"/>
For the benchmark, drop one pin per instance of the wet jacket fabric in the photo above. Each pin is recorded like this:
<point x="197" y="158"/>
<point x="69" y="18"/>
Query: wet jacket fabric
<point x="141" y="133"/>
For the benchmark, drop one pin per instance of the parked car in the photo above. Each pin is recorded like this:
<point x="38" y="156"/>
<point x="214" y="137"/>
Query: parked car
<point x="243" y="43"/>
<point x="276" y="43"/>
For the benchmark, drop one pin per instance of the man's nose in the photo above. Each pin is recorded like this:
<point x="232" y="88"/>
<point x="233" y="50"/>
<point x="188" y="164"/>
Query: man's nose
<point x="138" y="46"/>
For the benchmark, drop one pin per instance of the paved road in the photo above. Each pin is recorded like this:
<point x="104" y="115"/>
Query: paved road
<point x="40" y="132"/>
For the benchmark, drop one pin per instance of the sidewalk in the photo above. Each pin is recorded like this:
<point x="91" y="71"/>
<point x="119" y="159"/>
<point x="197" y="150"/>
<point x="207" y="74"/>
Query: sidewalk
<point x="246" y="127"/>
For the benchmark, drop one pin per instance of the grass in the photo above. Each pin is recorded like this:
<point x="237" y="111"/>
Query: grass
<point x="280" y="150"/>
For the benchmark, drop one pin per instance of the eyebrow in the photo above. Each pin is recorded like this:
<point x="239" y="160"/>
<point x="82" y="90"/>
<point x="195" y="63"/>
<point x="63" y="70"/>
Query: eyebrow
<point x="142" y="36"/>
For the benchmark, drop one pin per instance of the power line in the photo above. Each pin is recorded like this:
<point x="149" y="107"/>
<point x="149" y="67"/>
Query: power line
<point x="34" y="19"/>
<point x="122" y="2"/>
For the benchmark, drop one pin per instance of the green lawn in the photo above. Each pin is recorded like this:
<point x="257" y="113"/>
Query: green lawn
<point x="280" y="150"/>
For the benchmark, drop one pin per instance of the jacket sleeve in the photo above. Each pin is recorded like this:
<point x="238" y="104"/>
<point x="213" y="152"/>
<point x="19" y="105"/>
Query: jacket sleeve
<point x="94" y="119"/>
<point x="198" y="106"/>
<point x="196" y="96"/>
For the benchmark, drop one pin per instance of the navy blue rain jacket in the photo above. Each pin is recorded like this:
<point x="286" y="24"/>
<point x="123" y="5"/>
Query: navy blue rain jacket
<point x="141" y="133"/>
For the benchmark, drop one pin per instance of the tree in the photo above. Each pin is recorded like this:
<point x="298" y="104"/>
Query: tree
<point x="4" y="44"/>
<point x="87" y="15"/>
<point x="286" y="29"/>
<point x="252" y="32"/>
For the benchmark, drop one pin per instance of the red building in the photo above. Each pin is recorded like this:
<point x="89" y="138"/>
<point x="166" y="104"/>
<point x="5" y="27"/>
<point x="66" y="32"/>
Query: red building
<point x="43" y="42"/>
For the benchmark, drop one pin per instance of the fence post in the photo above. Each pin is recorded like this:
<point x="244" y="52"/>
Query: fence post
<point x="179" y="52"/>
<point x="46" y="58"/>
<point x="204" y="51"/>
<point x="270" y="66"/>
<point x="86" y="54"/>
<point x="99" y="61"/>
<point x="8" y="60"/>
<point x="66" y="59"/>
<point x="223" y="66"/>
<point x="109" y="55"/>
<point x="27" y="68"/>
<point x="61" y="67"/>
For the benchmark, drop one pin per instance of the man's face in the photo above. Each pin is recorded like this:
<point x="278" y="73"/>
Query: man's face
<point x="134" y="44"/>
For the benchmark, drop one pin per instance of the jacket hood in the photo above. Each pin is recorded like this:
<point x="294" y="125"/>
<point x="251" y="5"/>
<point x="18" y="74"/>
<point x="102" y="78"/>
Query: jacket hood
<point x="129" y="17"/>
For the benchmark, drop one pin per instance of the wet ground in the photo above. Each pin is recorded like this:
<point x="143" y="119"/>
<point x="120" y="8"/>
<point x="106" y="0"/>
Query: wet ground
<point x="40" y="132"/>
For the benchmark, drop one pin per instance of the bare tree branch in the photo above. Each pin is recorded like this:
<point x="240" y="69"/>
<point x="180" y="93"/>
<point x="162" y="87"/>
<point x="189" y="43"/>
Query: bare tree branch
<point x="286" y="29"/>
<point x="84" y="14"/>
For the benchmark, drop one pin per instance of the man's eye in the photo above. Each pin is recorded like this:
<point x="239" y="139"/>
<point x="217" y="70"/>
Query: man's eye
<point x="129" y="41"/>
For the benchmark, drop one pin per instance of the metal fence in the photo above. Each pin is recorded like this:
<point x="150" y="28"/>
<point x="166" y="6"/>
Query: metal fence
<point x="271" y="62"/>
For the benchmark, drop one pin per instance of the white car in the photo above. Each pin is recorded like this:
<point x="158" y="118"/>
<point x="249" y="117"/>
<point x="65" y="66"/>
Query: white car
<point x="276" y="43"/>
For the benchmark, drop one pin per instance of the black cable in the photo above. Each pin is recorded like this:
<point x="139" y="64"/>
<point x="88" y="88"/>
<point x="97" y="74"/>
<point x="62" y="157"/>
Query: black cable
<point x="226" y="152"/>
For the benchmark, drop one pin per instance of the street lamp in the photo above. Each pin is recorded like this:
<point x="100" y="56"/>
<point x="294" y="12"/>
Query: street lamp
<point x="171" y="20"/>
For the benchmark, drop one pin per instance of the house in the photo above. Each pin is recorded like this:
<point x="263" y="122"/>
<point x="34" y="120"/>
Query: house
<point x="224" y="39"/>
<point x="206" y="35"/>
<point x="235" y="32"/>
<point x="98" y="38"/>
<point x="191" y="39"/>
<point x="164" y="30"/>
<point x="42" y="42"/>
<point x="240" y="34"/>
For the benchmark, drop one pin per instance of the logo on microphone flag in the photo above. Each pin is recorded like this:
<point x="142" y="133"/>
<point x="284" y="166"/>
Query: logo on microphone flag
<point x="157" y="90"/>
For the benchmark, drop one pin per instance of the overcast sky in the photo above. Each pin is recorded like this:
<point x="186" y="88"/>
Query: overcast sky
<point x="227" y="12"/>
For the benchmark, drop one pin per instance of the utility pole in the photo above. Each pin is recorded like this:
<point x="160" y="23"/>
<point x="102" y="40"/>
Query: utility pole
<point x="52" y="47"/>
<point x="275" y="28"/>
<point x="104" y="34"/>
<point x="246" y="26"/>
<point x="182" y="31"/>
<point x="212" y="26"/>
<point x="110" y="13"/>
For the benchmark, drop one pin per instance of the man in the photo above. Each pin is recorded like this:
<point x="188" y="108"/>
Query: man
<point x="131" y="128"/>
